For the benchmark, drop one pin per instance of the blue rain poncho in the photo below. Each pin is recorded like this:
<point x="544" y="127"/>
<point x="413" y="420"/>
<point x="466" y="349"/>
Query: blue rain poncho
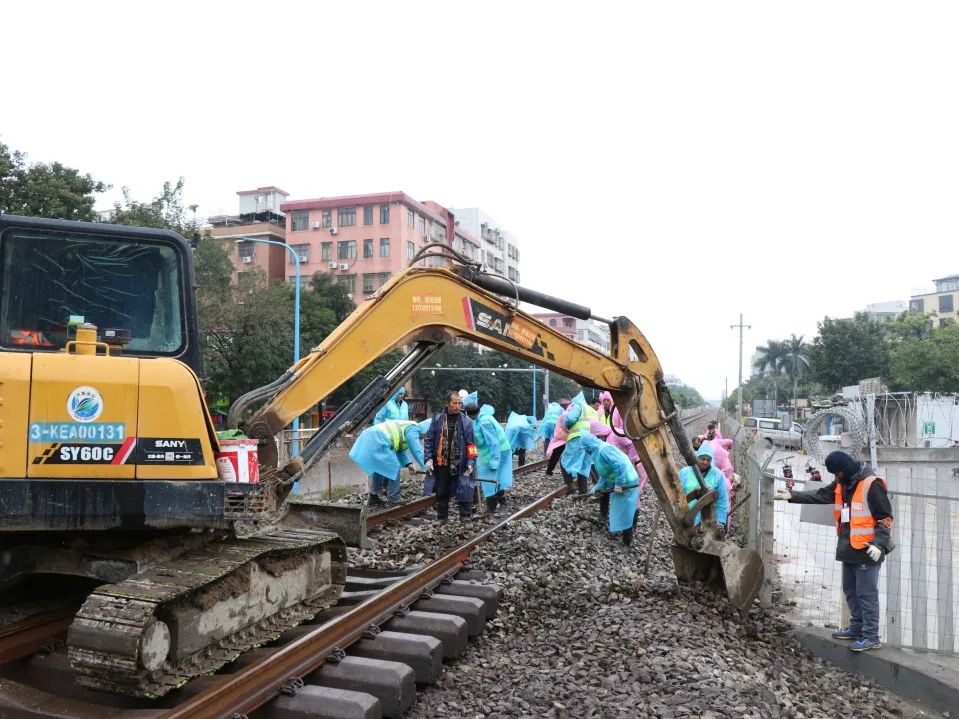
<point x="553" y="411"/>
<point x="575" y="461"/>
<point x="521" y="431"/>
<point x="375" y="451"/>
<point x="471" y="398"/>
<point x="395" y="408"/>
<point x="614" y="470"/>
<point x="714" y="480"/>
<point x="494" y="466"/>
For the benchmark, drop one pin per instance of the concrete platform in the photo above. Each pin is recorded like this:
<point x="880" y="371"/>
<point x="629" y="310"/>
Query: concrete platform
<point x="932" y="679"/>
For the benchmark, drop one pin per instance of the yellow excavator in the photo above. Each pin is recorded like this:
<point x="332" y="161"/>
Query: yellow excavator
<point x="107" y="470"/>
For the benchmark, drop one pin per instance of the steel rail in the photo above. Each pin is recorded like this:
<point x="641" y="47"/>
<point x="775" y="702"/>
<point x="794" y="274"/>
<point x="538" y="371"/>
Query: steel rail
<point x="26" y="637"/>
<point x="379" y="519"/>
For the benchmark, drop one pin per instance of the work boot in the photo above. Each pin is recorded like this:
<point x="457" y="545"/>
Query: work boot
<point x="374" y="501"/>
<point x="397" y="502"/>
<point x="581" y="485"/>
<point x="847" y="634"/>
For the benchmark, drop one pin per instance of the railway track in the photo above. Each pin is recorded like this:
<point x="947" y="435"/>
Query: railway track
<point x="422" y="616"/>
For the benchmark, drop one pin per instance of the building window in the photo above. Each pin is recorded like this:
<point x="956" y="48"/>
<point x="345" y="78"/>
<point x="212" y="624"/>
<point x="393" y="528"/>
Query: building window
<point x="348" y="282"/>
<point x="346" y="216"/>
<point x="368" y="215"/>
<point x="569" y="322"/>
<point x="367" y="249"/>
<point x="300" y="220"/>
<point x="384" y="247"/>
<point x="422" y="223"/>
<point x="511" y="273"/>
<point x="552" y="322"/>
<point x="292" y="280"/>
<point x="372" y="281"/>
<point x="410" y="251"/>
<point x="409" y="218"/>
<point x="945" y="303"/>
<point x="326" y="251"/>
<point x="302" y="252"/>
<point x="246" y="249"/>
<point x="498" y="264"/>
<point x="346" y="250"/>
<point x="917" y="306"/>
<point x="384" y="214"/>
<point x="948" y="285"/>
<point x="327" y="219"/>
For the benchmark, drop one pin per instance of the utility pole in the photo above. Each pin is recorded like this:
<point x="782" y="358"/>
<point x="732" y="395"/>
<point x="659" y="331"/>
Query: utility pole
<point x="739" y="401"/>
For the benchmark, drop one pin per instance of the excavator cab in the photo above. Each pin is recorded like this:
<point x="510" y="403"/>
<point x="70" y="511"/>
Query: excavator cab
<point x="134" y="284"/>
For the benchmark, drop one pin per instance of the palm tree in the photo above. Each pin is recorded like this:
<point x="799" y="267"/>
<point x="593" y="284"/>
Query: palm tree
<point x="795" y="361"/>
<point x="770" y="361"/>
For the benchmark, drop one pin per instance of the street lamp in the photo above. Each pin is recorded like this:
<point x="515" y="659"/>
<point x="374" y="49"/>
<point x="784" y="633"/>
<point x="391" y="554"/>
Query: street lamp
<point x="295" y="444"/>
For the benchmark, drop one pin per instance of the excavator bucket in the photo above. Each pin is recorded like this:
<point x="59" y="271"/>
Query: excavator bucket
<point x="739" y="571"/>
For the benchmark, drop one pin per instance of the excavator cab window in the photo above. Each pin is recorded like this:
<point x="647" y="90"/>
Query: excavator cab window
<point x="53" y="280"/>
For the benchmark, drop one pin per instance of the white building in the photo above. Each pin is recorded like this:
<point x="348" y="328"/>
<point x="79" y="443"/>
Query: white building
<point x="499" y="249"/>
<point x="885" y="311"/>
<point x="588" y="332"/>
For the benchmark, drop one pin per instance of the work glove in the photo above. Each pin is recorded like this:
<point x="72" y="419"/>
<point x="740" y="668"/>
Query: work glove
<point x="783" y="495"/>
<point x="618" y="489"/>
<point x="873" y="552"/>
<point x="429" y="465"/>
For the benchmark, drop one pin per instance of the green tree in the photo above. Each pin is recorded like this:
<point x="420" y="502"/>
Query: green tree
<point x="848" y="350"/>
<point x="795" y="361"/>
<point x="770" y="363"/>
<point x="165" y="211"/>
<point x="45" y="190"/>
<point x="927" y="364"/>
<point x="685" y="396"/>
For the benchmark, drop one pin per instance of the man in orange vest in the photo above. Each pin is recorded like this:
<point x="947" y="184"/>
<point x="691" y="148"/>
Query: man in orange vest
<point x="864" y="525"/>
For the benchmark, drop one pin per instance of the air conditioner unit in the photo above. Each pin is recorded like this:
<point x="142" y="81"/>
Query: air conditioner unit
<point x="344" y="266"/>
<point x="247" y="260"/>
<point x="316" y="225"/>
<point x="332" y="265"/>
<point x="333" y="230"/>
<point x="303" y="258"/>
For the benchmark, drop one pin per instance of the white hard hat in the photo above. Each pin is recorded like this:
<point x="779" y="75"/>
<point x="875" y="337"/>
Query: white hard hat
<point x="463" y="393"/>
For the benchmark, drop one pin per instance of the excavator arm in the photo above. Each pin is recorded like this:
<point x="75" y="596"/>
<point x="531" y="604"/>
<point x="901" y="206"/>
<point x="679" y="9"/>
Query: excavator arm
<point x="424" y="308"/>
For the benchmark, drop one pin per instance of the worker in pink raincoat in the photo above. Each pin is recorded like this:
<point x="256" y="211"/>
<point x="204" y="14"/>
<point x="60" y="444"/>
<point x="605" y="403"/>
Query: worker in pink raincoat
<point x="616" y="437"/>
<point x="557" y="442"/>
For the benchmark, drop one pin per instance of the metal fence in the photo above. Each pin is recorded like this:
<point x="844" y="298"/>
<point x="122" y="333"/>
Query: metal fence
<point x="919" y="599"/>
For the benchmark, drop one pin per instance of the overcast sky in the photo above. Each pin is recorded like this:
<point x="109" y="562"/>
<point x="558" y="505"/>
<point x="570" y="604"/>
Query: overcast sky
<point x="675" y="162"/>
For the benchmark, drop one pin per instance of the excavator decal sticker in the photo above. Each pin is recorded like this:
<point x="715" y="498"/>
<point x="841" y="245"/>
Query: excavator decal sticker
<point x="427" y="304"/>
<point x="66" y="453"/>
<point x="489" y="321"/>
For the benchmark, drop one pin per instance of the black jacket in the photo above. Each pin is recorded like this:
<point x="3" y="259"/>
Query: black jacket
<point x="878" y="504"/>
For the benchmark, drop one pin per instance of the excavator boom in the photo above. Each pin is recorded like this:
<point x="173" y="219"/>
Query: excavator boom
<point x="424" y="308"/>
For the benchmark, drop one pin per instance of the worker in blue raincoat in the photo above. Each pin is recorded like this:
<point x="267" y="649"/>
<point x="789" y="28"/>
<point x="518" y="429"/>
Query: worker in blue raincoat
<point x="494" y="466"/>
<point x="713" y="478"/>
<point x="395" y="408"/>
<point x="521" y="433"/>
<point x="618" y="486"/>
<point x="380" y="451"/>
<point x="553" y="411"/>
<point x="575" y="462"/>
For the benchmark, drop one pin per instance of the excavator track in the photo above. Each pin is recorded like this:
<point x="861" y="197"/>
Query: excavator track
<point x="191" y="615"/>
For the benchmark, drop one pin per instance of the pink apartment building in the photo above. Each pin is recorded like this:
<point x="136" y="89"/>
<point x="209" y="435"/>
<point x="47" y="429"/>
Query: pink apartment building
<point x="363" y="240"/>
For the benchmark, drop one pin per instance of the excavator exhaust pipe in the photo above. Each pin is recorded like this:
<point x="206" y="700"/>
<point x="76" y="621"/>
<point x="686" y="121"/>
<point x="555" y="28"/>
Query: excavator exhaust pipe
<point x="724" y="566"/>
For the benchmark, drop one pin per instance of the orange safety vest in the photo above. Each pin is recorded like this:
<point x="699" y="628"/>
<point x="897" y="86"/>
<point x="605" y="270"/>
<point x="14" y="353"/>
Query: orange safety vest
<point x="862" y="525"/>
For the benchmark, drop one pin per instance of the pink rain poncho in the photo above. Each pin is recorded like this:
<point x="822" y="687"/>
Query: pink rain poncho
<point x="623" y="444"/>
<point x="721" y="460"/>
